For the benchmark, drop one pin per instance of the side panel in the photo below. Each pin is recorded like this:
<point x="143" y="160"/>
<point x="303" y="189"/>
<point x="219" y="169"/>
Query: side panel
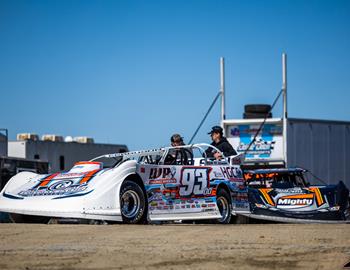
<point x="176" y="191"/>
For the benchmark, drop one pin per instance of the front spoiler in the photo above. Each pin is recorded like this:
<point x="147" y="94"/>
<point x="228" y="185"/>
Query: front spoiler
<point x="72" y="208"/>
<point x="295" y="220"/>
<point x="111" y="215"/>
<point x="298" y="217"/>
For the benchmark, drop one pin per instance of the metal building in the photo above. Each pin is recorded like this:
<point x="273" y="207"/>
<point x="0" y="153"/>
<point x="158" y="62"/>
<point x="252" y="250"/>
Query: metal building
<point x="320" y="146"/>
<point x="60" y="155"/>
<point x="3" y="142"/>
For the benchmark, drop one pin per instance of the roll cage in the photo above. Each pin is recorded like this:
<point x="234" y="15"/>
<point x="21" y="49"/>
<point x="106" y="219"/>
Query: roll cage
<point x="179" y="155"/>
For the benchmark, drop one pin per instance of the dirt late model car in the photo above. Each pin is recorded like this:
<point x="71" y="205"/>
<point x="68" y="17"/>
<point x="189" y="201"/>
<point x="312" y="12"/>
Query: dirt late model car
<point x="284" y="195"/>
<point x="134" y="187"/>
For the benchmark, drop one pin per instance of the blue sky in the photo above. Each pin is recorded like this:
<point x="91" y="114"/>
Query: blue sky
<point x="135" y="72"/>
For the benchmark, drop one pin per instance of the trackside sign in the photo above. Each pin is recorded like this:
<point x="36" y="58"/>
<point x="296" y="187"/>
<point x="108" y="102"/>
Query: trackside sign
<point x="268" y="144"/>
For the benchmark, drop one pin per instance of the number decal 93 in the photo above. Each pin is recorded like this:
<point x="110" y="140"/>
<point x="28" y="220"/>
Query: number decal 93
<point x="194" y="181"/>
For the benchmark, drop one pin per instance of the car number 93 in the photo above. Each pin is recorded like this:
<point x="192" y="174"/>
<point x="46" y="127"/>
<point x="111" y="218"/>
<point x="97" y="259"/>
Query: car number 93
<point x="194" y="181"/>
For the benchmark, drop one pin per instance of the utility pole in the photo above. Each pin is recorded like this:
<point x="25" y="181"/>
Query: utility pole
<point x="222" y="90"/>
<point x="285" y="114"/>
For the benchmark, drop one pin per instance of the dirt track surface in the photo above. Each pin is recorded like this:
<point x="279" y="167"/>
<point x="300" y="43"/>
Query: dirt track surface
<point x="261" y="246"/>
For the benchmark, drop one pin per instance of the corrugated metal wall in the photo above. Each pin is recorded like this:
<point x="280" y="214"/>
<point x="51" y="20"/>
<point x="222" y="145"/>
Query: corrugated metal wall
<point x="3" y="145"/>
<point x="323" y="147"/>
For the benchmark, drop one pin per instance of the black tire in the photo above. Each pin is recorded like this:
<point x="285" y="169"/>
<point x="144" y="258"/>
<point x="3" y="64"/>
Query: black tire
<point x="223" y="202"/>
<point x="248" y="115"/>
<point x="257" y="108"/>
<point x="133" y="205"/>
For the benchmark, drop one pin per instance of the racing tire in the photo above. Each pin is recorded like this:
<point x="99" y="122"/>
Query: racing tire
<point x="248" y="115"/>
<point x="133" y="205"/>
<point x="257" y="108"/>
<point x="223" y="202"/>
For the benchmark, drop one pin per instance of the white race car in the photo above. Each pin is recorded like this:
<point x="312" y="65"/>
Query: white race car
<point x="178" y="183"/>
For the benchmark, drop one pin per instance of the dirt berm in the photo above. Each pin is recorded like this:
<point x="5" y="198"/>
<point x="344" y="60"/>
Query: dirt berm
<point x="261" y="246"/>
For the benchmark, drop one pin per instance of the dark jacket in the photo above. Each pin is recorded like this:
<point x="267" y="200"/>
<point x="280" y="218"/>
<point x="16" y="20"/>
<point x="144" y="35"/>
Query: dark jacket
<point x="224" y="146"/>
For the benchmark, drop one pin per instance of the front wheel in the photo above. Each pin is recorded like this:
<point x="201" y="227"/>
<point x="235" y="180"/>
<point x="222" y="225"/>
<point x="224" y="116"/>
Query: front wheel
<point x="224" y="204"/>
<point x="132" y="203"/>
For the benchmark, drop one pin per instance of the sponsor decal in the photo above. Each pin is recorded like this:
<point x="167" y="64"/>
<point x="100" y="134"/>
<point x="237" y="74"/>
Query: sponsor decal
<point x="218" y="174"/>
<point x="259" y="147"/>
<point x="164" y="173"/>
<point x="298" y="200"/>
<point x="162" y="181"/>
<point x="60" y="184"/>
<point x="231" y="172"/>
<point x="290" y="190"/>
<point x="266" y="145"/>
<point x="155" y="197"/>
<point x="209" y="191"/>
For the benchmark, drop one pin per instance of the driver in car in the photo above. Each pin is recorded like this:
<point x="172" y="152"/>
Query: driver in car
<point x="176" y="140"/>
<point x="178" y="156"/>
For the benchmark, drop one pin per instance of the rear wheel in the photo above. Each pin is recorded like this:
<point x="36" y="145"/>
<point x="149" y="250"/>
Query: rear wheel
<point x="132" y="203"/>
<point x="224" y="204"/>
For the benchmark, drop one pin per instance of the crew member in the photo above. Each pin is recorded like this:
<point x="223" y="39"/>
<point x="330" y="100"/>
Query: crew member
<point x="221" y="143"/>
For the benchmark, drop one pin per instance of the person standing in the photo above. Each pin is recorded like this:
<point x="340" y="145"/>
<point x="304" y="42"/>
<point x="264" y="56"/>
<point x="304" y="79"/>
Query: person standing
<point x="221" y="143"/>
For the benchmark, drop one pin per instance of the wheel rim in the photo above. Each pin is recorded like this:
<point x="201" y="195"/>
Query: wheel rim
<point x="223" y="208"/>
<point x="130" y="204"/>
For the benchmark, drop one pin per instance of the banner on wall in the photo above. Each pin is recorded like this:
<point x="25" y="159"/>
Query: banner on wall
<point x="268" y="143"/>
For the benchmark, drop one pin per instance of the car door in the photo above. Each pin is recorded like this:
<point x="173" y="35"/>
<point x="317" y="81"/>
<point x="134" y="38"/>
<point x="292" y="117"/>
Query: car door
<point x="175" y="184"/>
